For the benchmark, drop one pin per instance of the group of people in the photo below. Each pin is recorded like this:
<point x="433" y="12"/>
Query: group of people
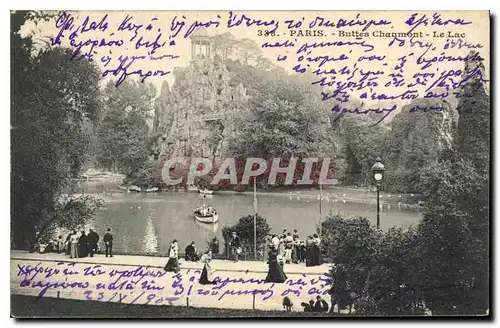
<point x="287" y="248"/>
<point x="319" y="306"/>
<point x="293" y="250"/>
<point x="78" y="245"/>
<point x="191" y="254"/>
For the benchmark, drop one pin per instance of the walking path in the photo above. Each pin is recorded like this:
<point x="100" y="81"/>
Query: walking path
<point x="142" y="280"/>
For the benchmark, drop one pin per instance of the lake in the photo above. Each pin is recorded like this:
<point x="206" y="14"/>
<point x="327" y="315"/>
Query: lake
<point x="149" y="222"/>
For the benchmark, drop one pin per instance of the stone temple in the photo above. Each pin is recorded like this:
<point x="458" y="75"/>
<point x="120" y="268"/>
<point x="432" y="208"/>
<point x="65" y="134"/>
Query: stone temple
<point x="195" y="116"/>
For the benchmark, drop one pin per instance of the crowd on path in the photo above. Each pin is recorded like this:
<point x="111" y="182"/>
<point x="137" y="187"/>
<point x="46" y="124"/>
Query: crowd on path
<point x="287" y="248"/>
<point x="79" y="244"/>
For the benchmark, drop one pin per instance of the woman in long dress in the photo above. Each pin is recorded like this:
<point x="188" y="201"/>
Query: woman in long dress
<point x="275" y="273"/>
<point x="207" y="272"/>
<point x="316" y="251"/>
<point x="281" y="249"/>
<point x="295" y="250"/>
<point x="173" y="261"/>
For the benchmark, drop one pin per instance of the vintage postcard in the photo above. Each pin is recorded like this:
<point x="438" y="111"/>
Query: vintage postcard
<point x="194" y="164"/>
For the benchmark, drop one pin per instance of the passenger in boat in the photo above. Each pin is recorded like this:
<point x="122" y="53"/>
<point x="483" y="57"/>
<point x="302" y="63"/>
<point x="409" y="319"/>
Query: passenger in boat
<point x="173" y="261"/>
<point x="207" y="272"/>
<point x="190" y="253"/>
<point x="275" y="273"/>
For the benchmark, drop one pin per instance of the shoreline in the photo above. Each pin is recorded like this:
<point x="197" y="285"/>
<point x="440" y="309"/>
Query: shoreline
<point x="386" y="201"/>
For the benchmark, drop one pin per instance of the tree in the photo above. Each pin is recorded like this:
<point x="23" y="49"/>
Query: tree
<point x="52" y="97"/>
<point x="224" y="44"/>
<point x="352" y="246"/>
<point x="146" y="175"/>
<point x="474" y="117"/>
<point x="285" y="120"/>
<point x="454" y="235"/>
<point x="123" y="133"/>
<point x="245" y="230"/>
<point x="455" y="227"/>
<point x="248" y="50"/>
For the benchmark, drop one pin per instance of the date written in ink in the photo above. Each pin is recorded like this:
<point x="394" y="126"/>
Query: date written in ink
<point x="142" y="298"/>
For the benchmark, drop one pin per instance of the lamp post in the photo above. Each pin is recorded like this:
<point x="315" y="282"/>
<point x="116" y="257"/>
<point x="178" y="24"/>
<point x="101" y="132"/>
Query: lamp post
<point x="378" y="170"/>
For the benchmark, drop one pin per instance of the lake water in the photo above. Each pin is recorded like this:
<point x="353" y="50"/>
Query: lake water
<point x="149" y="222"/>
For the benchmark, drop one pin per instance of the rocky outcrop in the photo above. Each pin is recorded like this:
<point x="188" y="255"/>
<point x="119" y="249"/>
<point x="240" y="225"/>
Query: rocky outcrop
<point x="200" y="107"/>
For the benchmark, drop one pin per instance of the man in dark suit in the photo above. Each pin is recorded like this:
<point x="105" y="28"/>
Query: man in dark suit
<point x="235" y="245"/>
<point x="108" y="240"/>
<point x="93" y="239"/>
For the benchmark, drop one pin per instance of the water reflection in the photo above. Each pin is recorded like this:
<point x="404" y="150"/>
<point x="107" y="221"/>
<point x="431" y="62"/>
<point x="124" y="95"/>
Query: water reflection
<point x="150" y="240"/>
<point x="149" y="222"/>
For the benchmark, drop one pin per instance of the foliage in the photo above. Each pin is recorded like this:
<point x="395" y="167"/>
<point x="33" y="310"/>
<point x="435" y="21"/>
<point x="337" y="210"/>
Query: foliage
<point x="351" y="245"/>
<point x="123" y="133"/>
<point x="146" y="176"/>
<point x="375" y="272"/>
<point x="474" y="118"/>
<point x="363" y="143"/>
<point x="52" y="97"/>
<point x="285" y="119"/>
<point x="455" y="227"/>
<point x="71" y="213"/>
<point x="245" y="229"/>
<point x="455" y="238"/>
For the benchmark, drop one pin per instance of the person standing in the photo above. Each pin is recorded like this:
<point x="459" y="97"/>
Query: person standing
<point x="93" y="239"/>
<point x="68" y="243"/>
<point x="275" y="273"/>
<point x="173" y="258"/>
<point x="288" y="254"/>
<point x="73" y="240"/>
<point x="214" y="245"/>
<point x="295" y="250"/>
<point x="59" y="244"/>
<point x="316" y="251"/>
<point x="302" y="251"/>
<point x="235" y="246"/>
<point x="275" y="241"/>
<point x="83" y="245"/>
<point x="108" y="241"/>
<point x="206" y="274"/>
<point x="309" y="251"/>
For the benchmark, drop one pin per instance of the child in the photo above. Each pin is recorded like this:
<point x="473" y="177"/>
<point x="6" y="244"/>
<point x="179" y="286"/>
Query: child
<point x="279" y="258"/>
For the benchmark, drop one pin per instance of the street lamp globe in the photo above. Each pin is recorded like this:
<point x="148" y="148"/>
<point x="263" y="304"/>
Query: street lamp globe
<point x="378" y="170"/>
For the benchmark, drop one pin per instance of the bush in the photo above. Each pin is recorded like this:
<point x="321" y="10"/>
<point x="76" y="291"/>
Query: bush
<point x="244" y="229"/>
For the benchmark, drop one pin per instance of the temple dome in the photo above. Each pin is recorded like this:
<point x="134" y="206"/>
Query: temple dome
<point x="200" y="32"/>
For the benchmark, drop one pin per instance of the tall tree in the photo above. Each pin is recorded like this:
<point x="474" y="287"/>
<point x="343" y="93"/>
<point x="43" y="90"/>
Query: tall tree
<point x="52" y="96"/>
<point x="455" y="227"/>
<point x="123" y="132"/>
